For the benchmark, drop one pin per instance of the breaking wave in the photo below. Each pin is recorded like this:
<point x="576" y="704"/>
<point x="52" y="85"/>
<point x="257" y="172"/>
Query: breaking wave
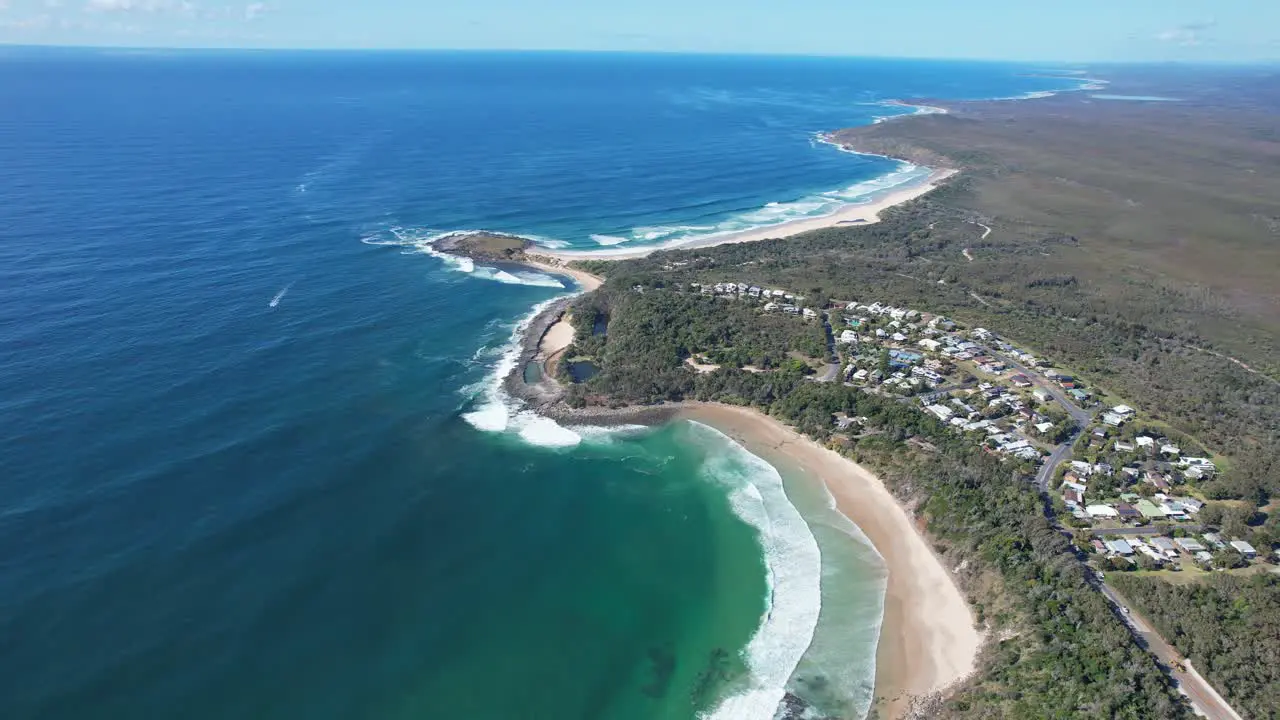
<point x="770" y="215"/>
<point x="497" y="412"/>
<point x="793" y="564"/>
<point x="610" y="239"/>
<point x="417" y="241"/>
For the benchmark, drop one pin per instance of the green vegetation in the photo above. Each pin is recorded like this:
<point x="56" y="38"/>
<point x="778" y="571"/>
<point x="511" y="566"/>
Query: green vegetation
<point x="1229" y="626"/>
<point x="1067" y="655"/>
<point x="486" y="246"/>
<point x="1142" y="347"/>
<point x="1133" y="247"/>
<point x="650" y="334"/>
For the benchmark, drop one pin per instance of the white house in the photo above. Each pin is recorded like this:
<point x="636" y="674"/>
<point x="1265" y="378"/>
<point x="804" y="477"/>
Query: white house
<point x="1244" y="549"/>
<point x="1191" y="545"/>
<point x="941" y="411"/>
<point x="1102" y="511"/>
<point x="1119" y="547"/>
<point x="1164" y="545"/>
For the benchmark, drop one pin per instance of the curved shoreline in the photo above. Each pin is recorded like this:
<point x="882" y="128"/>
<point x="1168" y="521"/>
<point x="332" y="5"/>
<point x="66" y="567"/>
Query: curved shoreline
<point x="859" y="214"/>
<point x="927" y="639"/>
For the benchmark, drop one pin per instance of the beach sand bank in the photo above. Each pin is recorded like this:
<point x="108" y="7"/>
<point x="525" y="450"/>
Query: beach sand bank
<point x="865" y="214"/>
<point x="557" y="338"/>
<point x="547" y="261"/>
<point x="928" y="640"/>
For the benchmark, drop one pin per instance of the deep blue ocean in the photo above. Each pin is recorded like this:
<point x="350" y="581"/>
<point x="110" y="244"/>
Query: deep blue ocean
<point x="255" y="463"/>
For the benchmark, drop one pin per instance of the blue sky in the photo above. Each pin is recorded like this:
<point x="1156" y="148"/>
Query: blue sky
<point x="1085" y="30"/>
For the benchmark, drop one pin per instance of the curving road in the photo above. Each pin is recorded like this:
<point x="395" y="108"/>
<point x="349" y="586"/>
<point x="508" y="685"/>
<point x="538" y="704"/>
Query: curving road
<point x="1206" y="701"/>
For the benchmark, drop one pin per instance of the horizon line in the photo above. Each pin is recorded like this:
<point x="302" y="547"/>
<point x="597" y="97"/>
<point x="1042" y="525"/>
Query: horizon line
<point x="54" y="47"/>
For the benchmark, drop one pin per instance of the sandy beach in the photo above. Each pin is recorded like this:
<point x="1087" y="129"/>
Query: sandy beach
<point x="558" y="337"/>
<point x="556" y="265"/>
<point x="866" y="214"/>
<point x="928" y="640"/>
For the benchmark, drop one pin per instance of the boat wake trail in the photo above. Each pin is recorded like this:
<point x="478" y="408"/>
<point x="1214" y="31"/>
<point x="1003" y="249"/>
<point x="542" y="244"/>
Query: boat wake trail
<point x="280" y="295"/>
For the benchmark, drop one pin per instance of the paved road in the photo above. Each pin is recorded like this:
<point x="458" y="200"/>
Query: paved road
<point x="833" y="369"/>
<point x="1081" y="416"/>
<point x="1149" y="530"/>
<point x="1204" y="698"/>
<point x="1060" y="454"/>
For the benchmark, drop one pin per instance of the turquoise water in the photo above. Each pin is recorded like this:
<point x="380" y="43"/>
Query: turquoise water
<point x="256" y="459"/>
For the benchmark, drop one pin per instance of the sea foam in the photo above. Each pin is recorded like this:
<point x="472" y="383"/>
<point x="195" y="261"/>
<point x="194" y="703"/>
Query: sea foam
<point x="497" y="412"/>
<point x="424" y="241"/>
<point x="794" y="566"/>
<point x="771" y="214"/>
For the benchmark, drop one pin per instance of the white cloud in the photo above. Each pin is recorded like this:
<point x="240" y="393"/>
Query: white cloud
<point x="253" y="10"/>
<point x="1189" y="35"/>
<point x="125" y="5"/>
<point x="185" y="7"/>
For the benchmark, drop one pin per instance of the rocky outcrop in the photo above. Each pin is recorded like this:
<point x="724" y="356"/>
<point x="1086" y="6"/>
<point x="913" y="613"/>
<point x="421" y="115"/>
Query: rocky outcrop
<point x="485" y="246"/>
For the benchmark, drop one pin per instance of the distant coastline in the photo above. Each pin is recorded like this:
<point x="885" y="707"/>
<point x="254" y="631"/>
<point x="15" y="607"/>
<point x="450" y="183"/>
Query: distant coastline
<point x="860" y="213"/>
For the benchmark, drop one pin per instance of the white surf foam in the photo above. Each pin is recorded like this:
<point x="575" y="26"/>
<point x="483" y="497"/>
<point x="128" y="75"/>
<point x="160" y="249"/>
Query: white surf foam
<point x="794" y="566"/>
<point x="538" y="430"/>
<point x="772" y="214"/>
<point x="497" y="412"/>
<point x="423" y="241"/>
<point x="610" y="239"/>
<point x="517" y="277"/>
<point x="913" y="110"/>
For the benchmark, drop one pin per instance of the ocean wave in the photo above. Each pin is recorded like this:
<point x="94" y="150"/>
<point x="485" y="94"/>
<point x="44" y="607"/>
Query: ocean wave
<point x="517" y="277"/>
<point x="610" y="239"/>
<point x="423" y="241"/>
<point x="771" y="214"/>
<point x="494" y="411"/>
<point x="913" y="110"/>
<point x="778" y="213"/>
<point x="836" y="676"/>
<point x="794" y="567"/>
